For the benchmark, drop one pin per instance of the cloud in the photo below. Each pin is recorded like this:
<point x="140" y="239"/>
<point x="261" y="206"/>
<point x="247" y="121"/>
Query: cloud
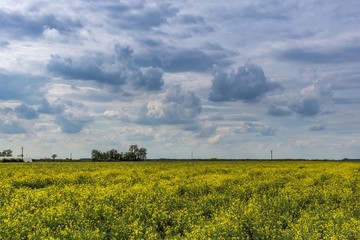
<point x="11" y="127"/>
<point x="18" y="24"/>
<point x="308" y="102"/>
<point x="149" y="78"/>
<point x="261" y="11"/>
<point x="187" y="26"/>
<point x="247" y="83"/>
<point x="306" y="106"/>
<point x="342" y="50"/>
<point x="259" y="128"/>
<point x="202" y="130"/>
<point x="112" y="114"/>
<point x="181" y="59"/>
<point x="117" y="70"/>
<point x="117" y="115"/>
<point x="70" y="123"/>
<point x="86" y="68"/>
<point x="207" y="131"/>
<point x="4" y="44"/>
<point x="192" y="60"/>
<point x="278" y="111"/>
<point x="139" y="137"/>
<point x="74" y="117"/>
<point x="20" y="87"/>
<point x="190" y="19"/>
<point x="249" y="127"/>
<point x="50" y="108"/>
<point x="174" y="107"/>
<point x="142" y="17"/>
<point x="342" y="55"/>
<point x="8" y="122"/>
<point x="317" y="127"/>
<point x="26" y="112"/>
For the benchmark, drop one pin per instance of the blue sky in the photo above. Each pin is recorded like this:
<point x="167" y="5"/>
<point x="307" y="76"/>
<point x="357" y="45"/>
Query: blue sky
<point x="233" y="79"/>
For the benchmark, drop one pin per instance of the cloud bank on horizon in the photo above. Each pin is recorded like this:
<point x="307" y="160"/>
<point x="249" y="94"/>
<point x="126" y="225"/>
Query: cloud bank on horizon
<point x="233" y="80"/>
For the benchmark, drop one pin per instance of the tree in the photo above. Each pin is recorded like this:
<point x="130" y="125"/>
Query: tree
<point x="133" y="148"/>
<point x="141" y="154"/>
<point x="54" y="156"/>
<point x="6" y="153"/>
<point x="95" y="154"/>
<point x="113" y="154"/>
<point x="134" y="154"/>
<point x="129" y="156"/>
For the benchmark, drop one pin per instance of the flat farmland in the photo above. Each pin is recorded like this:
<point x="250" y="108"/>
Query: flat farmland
<point x="180" y="199"/>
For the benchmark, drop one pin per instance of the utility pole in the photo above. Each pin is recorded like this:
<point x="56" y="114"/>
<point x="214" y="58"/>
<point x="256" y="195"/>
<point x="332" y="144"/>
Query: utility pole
<point x="22" y="153"/>
<point x="271" y="153"/>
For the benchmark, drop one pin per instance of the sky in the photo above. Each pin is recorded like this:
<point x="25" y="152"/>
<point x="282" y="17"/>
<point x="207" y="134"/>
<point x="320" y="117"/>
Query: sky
<point x="208" y="79"/>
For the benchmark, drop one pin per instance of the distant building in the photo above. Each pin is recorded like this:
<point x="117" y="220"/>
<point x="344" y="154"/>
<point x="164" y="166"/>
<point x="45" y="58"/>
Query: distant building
<point x="27" y="159"/>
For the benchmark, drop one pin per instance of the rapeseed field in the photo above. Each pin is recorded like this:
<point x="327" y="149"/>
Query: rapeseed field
<point x="180" y="200"/>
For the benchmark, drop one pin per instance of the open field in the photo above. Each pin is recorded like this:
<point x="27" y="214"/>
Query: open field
<point x="192" y="200"/>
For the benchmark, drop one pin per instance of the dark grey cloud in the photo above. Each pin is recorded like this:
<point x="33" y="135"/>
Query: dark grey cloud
<point x="21" y="87"/>
<point x="149" y="78"/>
<point x="174" y="107"/>
<point x="19" y="24"/>
<point x="72" y="117"/>
<point x="50" y="108"/>
<point x="207" y="131"/>
<point x="310" y="99"/>
<point x="192" y="25"/>
<point x="192" y="60"/>
<point x="26" y="112"/>
<point x="85" y="69"/>
<point x="250" y="127"/>
<point x="139" y="16"/>
<point x="278" y="111"/>
<point x="247" y="83"/>
<point x="190" y="19"/>
<point x="317" y="127"/>
<point x="150" y="43"/>
<point x="323" y="55"/>
<point x="306" y="106"/>
<point x="201" y="130"/>
<point x="117" y="70"/>
<point x="8" y="124"/>
<point x="72" y="123"/>
<point x="180" y="59"/>
<point x="11" y="127"/>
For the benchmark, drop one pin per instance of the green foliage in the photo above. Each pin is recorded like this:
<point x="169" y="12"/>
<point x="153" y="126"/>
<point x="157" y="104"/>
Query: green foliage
<point x="134" y="154"/>
<point x="11" y="160"/>
<point x="6" y="153"/>
<point x="180" y="200"/>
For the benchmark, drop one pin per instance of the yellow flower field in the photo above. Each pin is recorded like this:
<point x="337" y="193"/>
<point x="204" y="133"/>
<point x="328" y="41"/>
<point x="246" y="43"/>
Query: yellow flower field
<point x="182" y="199"/>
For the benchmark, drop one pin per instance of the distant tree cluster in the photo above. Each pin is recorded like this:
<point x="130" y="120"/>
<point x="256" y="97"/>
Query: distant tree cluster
<point x="6" y="153"/>
<point x="134" y="154"/>
<point x="6" y="156"/>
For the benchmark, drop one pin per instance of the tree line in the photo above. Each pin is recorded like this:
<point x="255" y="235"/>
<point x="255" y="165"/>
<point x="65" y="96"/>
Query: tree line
<point x="134" y="154"/>
<point x="6" y="153"/>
